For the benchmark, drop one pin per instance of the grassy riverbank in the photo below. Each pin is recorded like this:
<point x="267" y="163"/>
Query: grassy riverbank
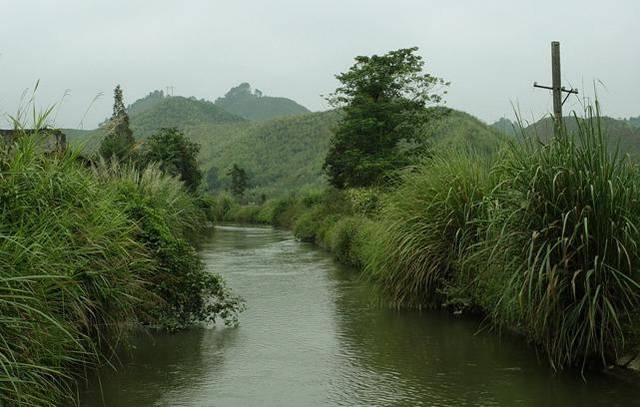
<point x="541" y="238"/>
<point x="87" y="252"/>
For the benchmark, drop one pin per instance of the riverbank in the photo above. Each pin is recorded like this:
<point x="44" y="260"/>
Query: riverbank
<point x="541" y="239"/>
<point x="86" y="253"/>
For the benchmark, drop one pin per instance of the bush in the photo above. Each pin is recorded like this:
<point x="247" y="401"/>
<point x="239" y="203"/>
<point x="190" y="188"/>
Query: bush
<point x="342" y="238"/>
<point x="306" y="226"/>
<point x="168" y="216"/>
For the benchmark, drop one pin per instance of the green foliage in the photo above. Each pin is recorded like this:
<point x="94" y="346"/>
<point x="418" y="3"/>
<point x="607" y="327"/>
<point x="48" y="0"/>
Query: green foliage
<point x="634" y="121"/>
<point x="384" y="99"/>
<point x="212" y="178"/>
<point x="119" y="140"/>
<point x="620" y="135"/>
<point x="344" y="239"/>
<point x="175" y="154"/>
<point x="430" y="223"/>
<point x="566" y="224"/>
<point x="283" y="155"/>
<point x="68" y="275"/>
<point x="181" y="113"/>
<point x="543" y="239"/>
<point x="239" y="181"/>
<point x="83" y="256"/>
<point x="146" y="103"/>
<point x="254" y="105"/>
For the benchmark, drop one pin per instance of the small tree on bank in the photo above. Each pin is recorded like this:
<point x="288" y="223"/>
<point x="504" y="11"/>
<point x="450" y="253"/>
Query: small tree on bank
<point x="239" y="181"/>
<point x="176" y="155"/>
<point x="119" y="140"/>
<point x="384" y="99"/>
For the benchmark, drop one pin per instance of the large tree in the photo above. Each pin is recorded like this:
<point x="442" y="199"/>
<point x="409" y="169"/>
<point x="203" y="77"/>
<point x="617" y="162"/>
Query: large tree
<point x="384" y="99"/>
<point x="176" y="155"/>
<point x="119" y="140"/>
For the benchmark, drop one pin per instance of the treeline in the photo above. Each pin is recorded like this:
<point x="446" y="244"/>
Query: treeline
<point x="540" y="237"/>
<point x="90" y="247"/>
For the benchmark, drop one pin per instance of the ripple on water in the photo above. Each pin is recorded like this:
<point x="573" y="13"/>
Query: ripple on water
<point x="315" y="335"/>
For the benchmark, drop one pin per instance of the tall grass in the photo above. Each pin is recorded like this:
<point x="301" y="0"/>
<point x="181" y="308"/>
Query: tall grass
<point x="84" y="255"/>
<point x="68" y="274"/>
<point x="566" y="233"/>
<point x="430" y="222"/>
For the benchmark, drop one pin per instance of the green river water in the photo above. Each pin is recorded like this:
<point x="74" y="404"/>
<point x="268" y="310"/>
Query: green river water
<point x="314" y="334"/>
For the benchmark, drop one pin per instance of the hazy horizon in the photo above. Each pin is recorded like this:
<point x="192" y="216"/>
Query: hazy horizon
<point x="491" y="52"/>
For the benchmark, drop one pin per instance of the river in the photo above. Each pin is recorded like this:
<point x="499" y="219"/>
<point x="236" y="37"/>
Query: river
<point x="314" y="334"/>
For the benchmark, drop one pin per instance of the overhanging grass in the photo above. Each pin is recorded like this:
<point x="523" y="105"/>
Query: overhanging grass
<point x="84" y="254"/>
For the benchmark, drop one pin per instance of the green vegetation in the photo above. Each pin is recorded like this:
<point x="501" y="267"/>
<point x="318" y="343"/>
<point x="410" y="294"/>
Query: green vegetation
<point x="242" y="102"/>
<point x="383" y="99"/>
<point x="176" y="156"/>
<point x="239" y="181"/>
<point x="541" y="238"/>
<point x="634" y="121"/>
<point x="85" y="254"/>
<point x="285" y="154"/>
<point x="119" y="140"/>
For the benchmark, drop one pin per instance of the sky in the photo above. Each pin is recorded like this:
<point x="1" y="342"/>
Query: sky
<point x="492" y="51"/>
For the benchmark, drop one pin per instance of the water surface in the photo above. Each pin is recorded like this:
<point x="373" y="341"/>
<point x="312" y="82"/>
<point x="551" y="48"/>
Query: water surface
<point x="314" y="334"/>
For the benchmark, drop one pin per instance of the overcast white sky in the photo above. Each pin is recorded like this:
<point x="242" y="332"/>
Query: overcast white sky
<point x="491" y="51"/>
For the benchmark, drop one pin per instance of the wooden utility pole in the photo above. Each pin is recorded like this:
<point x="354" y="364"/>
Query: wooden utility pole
<point x="556" y="81"/>
<point x="556" y="84"/>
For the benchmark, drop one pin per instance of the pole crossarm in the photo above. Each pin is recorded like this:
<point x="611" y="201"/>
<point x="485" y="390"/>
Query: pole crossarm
<point x="563" y="89"/>
<point x="569" y="92"/>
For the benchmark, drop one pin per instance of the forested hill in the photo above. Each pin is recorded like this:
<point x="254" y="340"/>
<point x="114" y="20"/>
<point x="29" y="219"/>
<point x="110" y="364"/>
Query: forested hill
<point x="253" y="105"/>
<point x="286" y="154"/>
<point x="280" y="154"/>
<point x="156" y="111"/>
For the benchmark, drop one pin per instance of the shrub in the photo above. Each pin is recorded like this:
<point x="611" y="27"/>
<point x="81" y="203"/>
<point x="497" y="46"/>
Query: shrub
<point x="343" y="237"/>
<point x="306" y="226"/>
<point x="168" y="216"/>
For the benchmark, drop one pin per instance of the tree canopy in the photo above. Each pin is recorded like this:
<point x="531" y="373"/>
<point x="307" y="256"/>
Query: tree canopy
<point x="384" y="99"/>
<point x="175" y="154"/>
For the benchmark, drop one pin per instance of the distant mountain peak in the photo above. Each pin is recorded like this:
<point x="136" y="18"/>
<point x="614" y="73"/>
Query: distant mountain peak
<point x="252" y="104"/>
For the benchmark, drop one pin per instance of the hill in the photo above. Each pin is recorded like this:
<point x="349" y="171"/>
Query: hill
<point x="621" y="133"/>
<point x="156" y="111"/>
<point x="505" y="126"/>
<point x="280" y="154"/>
<point x="253" y="105"/>
<point x="288" y="153"/>
<point x="180" y="112"/>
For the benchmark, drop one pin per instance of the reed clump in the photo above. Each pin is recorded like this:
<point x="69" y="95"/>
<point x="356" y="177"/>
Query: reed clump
<point x="84" y="255"/>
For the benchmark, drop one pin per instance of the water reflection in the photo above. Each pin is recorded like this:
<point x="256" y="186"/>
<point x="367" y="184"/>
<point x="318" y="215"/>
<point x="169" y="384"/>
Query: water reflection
<point x="313" y="334"/>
